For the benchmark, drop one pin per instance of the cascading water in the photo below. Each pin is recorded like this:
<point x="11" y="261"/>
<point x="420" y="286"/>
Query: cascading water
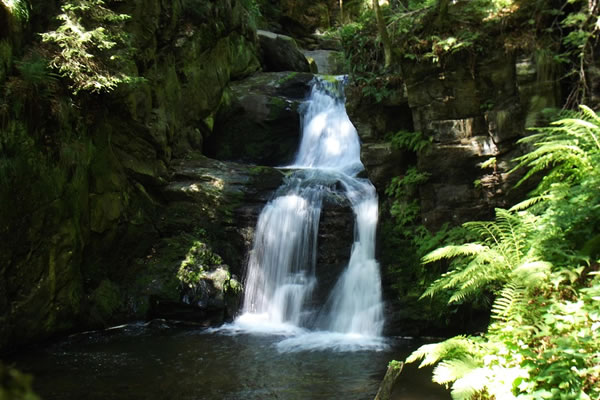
<point x="281" y="268"/>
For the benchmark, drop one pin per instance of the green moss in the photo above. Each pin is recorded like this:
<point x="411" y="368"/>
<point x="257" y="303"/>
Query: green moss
<point x="233" y="287"/>
<point x="286" y="78"/>
<point x="105" y="301"/>
<point x="210" y="122"/>
<point x="105" y="210"/>
<point x="198" y="260"/>
<point x="259" y="170"/>
<point x="330" y="78"/>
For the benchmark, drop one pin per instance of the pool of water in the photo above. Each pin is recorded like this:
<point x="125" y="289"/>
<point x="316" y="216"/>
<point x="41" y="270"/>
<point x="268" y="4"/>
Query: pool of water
<point x="159" y="360"/>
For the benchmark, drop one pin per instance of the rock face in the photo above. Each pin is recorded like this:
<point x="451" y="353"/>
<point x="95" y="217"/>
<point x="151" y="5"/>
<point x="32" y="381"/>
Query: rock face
<point x="260" y="122"/>
<point x="281" y="53"/>
<point x="470" y="115"/>
<point x="96" y="165"/>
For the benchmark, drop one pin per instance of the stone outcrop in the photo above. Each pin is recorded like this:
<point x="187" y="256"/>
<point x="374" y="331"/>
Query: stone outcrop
<point x="471" y="114"/>
<point x="260" y="123"/>
<point x="281" y="53"/>
<point x="195" y="274"/>
<point x="328" y="62"/>
<point x="193" y="271"/>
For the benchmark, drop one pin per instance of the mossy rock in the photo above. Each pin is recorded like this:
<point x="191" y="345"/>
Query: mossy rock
<point x="105" y="301"/>
<point x="261" y="124"/>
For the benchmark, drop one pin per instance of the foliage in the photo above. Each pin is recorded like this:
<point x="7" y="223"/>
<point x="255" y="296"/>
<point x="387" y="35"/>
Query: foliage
<point x="580" y="29"/>
<point x="92" y="48"/>
<point x="405" y="240"/>
<point x="15" y="385"/>
<point x="361" y="52"/>
<point x="412" y="141"/>
<point x="254" y="12"/>
<point x="569" y="149"/>
<point x="423" y="31"/>
<point x="19" y="8"/>
<point x="198" y="260"/>
<point x="539" y="260"/>
<point x="501" y="254"/>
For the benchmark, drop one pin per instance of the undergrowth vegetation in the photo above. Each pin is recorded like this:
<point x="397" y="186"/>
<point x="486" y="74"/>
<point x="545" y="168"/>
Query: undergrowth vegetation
<point x="435" y="31"/>
<point x="538" y="265"/>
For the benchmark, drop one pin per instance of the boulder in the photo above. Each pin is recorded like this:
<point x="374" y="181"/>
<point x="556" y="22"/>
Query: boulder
<point x="328" y="62"/>
<point x="281" y="53"/>
<point x="260" y="123"/>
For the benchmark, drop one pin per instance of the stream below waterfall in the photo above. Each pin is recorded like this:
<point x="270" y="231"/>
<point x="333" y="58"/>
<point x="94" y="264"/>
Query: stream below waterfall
<point x="160" y="361"/>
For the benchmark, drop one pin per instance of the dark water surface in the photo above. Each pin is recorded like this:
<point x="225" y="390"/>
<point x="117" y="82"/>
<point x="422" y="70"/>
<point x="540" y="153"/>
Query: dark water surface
<point x="157" y="361"/>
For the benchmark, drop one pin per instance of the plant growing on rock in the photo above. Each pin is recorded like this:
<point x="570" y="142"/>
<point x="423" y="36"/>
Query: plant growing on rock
<point x="198" y="260"/>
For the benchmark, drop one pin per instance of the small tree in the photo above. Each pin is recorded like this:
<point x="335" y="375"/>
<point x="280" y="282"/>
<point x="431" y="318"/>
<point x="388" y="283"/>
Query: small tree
<point x="383" y="32"/>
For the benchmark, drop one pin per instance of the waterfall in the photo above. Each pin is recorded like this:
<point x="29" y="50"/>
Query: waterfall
<point x="281" y="268"/>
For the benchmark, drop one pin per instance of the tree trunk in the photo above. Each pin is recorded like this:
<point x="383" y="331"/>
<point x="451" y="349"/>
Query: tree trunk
<point x="383" y="32"/>
<point x="442" y="12"/>
<point x="342" y="19"/>
<point x="392" y="374"/>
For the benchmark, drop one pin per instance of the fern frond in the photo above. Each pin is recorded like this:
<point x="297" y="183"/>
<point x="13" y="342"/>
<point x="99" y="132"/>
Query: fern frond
<point x="513" y="235"/>
<point x="512" y="301"/>
<point x="447" y="252"/>
<point x="530" y="202"/>
<point x="483" y="269"/>
<point x="590" y="115"/>
<point x="466" y="387"/>
<point x="532" y="274"/>
<point x="449" y="371"/>
<point x="456" y="347"/>
<point x="508" y="302"/>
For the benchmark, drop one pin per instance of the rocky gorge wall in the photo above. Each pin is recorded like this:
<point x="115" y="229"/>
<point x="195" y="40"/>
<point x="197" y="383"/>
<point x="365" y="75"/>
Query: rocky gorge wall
<point x="84" y="175"/>
<point x="471" y="112"/>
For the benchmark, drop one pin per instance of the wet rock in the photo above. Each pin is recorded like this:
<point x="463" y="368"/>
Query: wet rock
<point x="328" y="62"/>
<point x="206" y="230"/>
<point x="334" y="245"/>
<point x="105" y="301"/>
<point x="383" y="163"/>
<point x="537" y="86"/>
<point x="281" y="53"/>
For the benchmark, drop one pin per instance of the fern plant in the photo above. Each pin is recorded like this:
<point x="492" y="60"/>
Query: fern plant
<point x="568" y="151"/>
<point x="503" y="246"/>
<point x="541" y="260"/>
